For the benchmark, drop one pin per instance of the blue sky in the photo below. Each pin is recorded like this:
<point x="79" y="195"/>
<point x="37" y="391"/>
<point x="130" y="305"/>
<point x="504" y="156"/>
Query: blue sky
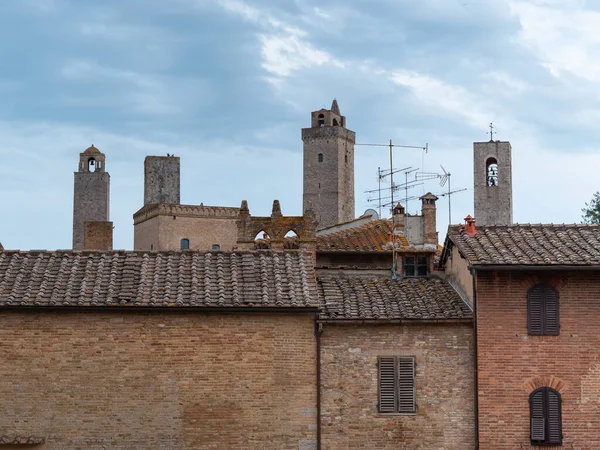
<point x="227" y="85"/>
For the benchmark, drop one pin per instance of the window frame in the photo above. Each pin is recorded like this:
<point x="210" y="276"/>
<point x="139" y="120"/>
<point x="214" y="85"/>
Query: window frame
<point x="543" y="313"/>
<point x="404" y="387"/>
<point x="187" y="243"/>
<point x="416" y="265"/>
<point x="552" y="429"/>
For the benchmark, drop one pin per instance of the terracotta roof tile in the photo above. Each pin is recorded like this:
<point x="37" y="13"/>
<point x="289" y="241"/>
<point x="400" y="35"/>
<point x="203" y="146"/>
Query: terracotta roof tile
<point x="530" y="245"/>
<point x="373" y="297"/>
<point x="373" y="236"/>
<point x="165" y="279"/>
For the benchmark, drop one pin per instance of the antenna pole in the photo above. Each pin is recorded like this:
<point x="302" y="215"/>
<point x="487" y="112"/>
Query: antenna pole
<point x="379" y="188"/>
<point x="393" y="215"/>
<point x="449" y="204"/>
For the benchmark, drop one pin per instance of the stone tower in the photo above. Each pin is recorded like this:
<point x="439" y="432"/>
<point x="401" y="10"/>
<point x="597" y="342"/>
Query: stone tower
<point x="329" y="167"/>
<point x="91" y="194"/>
<point x="161" y="180"/>
<point x="492" y="164"/>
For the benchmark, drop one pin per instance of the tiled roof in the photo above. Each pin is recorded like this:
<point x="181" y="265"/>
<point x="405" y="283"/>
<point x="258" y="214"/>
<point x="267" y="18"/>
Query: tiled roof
<point x="371" y="237"/>
<point x="165" y="279"/>
<point x="377" y="297"/>
<point x="529" y="245"/>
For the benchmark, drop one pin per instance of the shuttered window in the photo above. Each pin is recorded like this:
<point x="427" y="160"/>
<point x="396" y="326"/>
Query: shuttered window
<point x="545" y="412"/>
<point x="397" y="384"/>
<point x="542" y="310"/>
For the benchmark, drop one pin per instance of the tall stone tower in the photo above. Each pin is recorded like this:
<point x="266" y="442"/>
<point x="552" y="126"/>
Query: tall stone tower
<point x="492" y="164"/>
<point x="329" y="167"/>
<point x="162" y="180"/>
<point x="91" y="194"/>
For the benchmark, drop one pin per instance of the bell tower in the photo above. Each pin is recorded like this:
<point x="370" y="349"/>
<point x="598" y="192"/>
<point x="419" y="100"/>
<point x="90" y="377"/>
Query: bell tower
<point x="492" y="177"/>
<point x="329" y="167"/>
<point x="90" y="194"/>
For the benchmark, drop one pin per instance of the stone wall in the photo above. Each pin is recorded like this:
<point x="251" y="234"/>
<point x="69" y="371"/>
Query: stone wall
<point x="329" y="185"/>
<point x="444" y="386"/>
<point x="98" y="235"/>
<point x="133" y="380"/>
<point x="512" y="363"/>
<point x="493" y="204"/>
<point x="91" y="201"/>
<point x="162" y="180"/>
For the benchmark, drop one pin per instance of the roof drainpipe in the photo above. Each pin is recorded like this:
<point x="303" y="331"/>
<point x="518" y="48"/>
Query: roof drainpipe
<point x="318" y="331"/>
<point x="475" y="361"/>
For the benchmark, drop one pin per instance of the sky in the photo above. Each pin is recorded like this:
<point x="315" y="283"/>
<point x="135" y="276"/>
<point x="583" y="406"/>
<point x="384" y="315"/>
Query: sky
<point x="227" y="85"/>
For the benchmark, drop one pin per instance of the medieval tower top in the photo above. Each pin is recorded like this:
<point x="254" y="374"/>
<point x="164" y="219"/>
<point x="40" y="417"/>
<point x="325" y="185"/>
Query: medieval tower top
<point x="329" y="167"/>
<point x="162" y="180"/>
<point x="492" y="165"/>
<point x="91" y="193"/>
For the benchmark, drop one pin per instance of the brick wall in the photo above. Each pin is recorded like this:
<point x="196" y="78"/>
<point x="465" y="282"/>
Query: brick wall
<point x="445" y="387"/>
<point x="119" y="380"/>
<point x="512" y="364"/>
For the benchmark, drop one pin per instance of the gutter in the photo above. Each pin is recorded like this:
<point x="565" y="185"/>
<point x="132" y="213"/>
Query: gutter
<point x="475" y="360"/>
<point x="162" y="309"/>
<point x="530" y="267"/>
<point x="394" y="321"/>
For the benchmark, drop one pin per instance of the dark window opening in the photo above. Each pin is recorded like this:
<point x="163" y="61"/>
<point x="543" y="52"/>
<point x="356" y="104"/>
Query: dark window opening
<point x="185" y="244"/>
<point x="320" y="157"/>
<point x="542" y="310"/>
<point x="321" y="119"/>
<point x="396" y="385"/>
<point x="346" y="158"/>
<point x="91" y="165"/>
<point x="415" y="266"/>
<point x="216" y="248"/>
<point x="335" y="123"/>
<point x="545" y="415"/>
<point x="491" y="170"/>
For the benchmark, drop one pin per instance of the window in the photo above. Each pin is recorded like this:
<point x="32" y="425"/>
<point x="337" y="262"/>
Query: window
<point x="185" y="244"/>
<point x="320" y="157"/>
<point x="542" y="310"/>
<point x="491" y="168"/>
<point x="216" y="248"/>
<point x="545" y="414"/>
<point x="397" y="384"/>
<point x="415" y="266"/>
<point x="321" y="119"/>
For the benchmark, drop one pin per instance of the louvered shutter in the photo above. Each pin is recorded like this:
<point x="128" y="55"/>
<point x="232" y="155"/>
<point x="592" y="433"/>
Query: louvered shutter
<point x="406" y="385"/>
<point x="554" y="417"/>
<point x="387" y="385"/>
<point x="538" y="422"/>
<point x="535" y="311"/>
<point x="551" y="320"/>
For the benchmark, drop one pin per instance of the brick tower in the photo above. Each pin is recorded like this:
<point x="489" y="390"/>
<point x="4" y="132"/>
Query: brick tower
<point x="91" y="193"/>
<point x="329" y="167"/>
<point x="492" y="164"/>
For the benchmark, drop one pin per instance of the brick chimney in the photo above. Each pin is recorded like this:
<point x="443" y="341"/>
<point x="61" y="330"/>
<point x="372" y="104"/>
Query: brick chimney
<point x="429" y="211"/>
<point x="98" y="235"/>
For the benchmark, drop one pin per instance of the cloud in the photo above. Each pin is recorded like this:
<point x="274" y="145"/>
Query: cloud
<point x="563" y="35"/>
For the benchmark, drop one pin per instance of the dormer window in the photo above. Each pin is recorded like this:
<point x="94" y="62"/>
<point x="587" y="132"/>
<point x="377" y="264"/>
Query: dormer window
<point x="415" y="266"/>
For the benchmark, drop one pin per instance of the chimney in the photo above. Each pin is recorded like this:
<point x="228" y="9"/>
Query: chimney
<point x="98" y="235"/>
<point x="469" y="226"/>
<point x="429" y="210"/>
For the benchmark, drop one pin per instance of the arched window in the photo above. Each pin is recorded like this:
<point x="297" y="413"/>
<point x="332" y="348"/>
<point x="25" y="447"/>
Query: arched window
<point x="290" y="240"/>
<point x="542" y="310"/>
<point x="262" y="241"/>
<point x="91" y="165"/>
<point x="320" y="157"/>
<point x="545" y="417"/>
<point x="185" y="244"/>
<point x="321" y="118"/>
<point x="491" y="170"/>
<point x="216" y="248"/>
<point x="335" y="123"/>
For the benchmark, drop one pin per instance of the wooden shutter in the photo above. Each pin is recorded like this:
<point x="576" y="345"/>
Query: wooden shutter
<point x="406" y="385"/>
<point x="535" y="311"/>
<point x="554" y="417"/>
<point x="551" y="321"/>
<point x="387" y="385"/>
<point x="538" y="422"/>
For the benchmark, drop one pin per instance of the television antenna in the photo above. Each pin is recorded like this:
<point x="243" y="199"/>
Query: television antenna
<point x="391" y="146"/>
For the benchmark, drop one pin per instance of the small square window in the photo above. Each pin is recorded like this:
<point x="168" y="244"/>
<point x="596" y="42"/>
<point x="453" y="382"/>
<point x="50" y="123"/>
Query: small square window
<point x="415" y="266"/>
